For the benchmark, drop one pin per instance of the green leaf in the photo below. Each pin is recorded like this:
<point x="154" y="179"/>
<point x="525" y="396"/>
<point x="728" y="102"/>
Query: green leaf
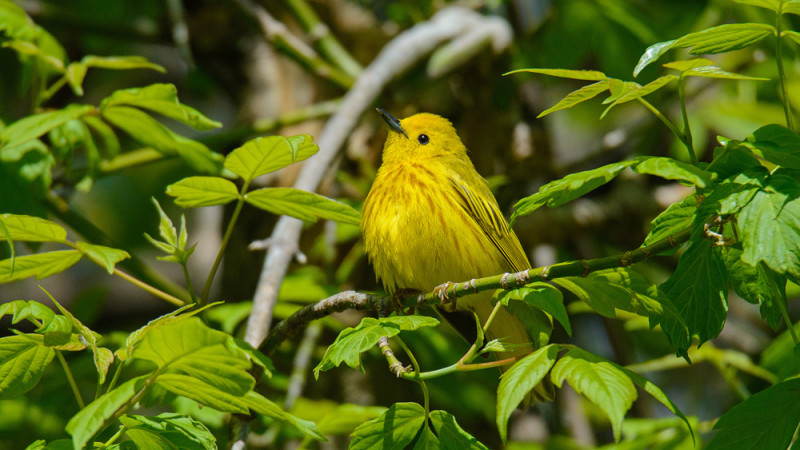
<point x="346" y="417"/>
<point x="791" y="34"/>
<point x="302" y="205"/>
<point x="791" y="7"/>
<point x="203" y="393"/>
<point x="193" y="192"/>
<point x="31" y="127"/>
<point x="351" y="342"/>
<point x="732" y="159"/>
<point x="777" y="144"/>
<point x="636" y="294"/>
<point x="730" y="196"/>
<point x="29" y="310"/>
<point x="758" y="285"/>
<point x="619" y="89"/>
<point x="427" y="440"/>
<point x="583" y="94"/>
<point x="190" y="346"/>
<point x="451" y="435"/>
<point x="108" y="138"/>
<point x="23" y="359"/>
<point x="163" y="99"/>
<point x="268" y="154"/>
<point x="719" y="39"/>
<point x="76" y="71"/>
<point x="41" y="265"/>
<point x="770" y="226"/>
<point x="638" y="92"/>
<point x="684" y="65"/>
<point x="780" y="357"/>
<point x="672" y="169"/>
<point x="716" y="72"/>
<point x="542" y="296"/>
<point x="149" y="131"/>
<point x="676" y="218"/>
<point x="591" y="75"/>
<point x="699" y="290"/>
<point x="32" y="229"/>
<point x="600" y="381"/>
<point x="572" y="186"/>
<point x="93" y="418"/>
<point x="657" y="394"/>
<point x="519" y="380"/>
<point x="773" y="5"/>
<point x="262" y="405"/>
<point x="393" y="430"/>
<point x="105" y="256"/>
<point x="598" y="294"/>
<point x="767" y="419"/>
<point x="134" y="338"/>
<point x="168" y="431"/>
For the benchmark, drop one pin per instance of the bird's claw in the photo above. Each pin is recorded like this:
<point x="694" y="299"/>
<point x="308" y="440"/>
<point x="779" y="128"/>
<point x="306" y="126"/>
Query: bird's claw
<point x="397" y="301"/>
<point x="442" y="291"/>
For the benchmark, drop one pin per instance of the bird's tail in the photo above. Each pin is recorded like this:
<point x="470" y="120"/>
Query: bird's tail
<point x="508" y="328"/>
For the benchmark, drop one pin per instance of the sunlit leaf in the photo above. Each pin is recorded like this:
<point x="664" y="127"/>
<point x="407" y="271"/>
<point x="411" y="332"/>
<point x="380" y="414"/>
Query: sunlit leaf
<point x="558" y="192"/>
<point x="105" y="256"/>
<point x="168" y="431"/>
<point x="149" y="131"/>
<point x="672" y="169"/>
<point x="162" y="99"/>
<point x="393" y="430"/>
<point x="591" y="75"/>
<point x="203" y="393"/>
<point x="678" y="217"/>
<point x="542" y="296"/>
<point x="600" y="381"/>
<point x="587" y="92"/>
<point x="193" y="192"/>
<point x="262" y="405"/>
<point x="451" y="435"/>
<point x="716" y="72"/>
<point x="268" y="154"/>
<point x="23" y="359"/>
<point x="31" y="127"/>
<point x="519" y="380"/>
<point x="351" y="342"/>
<point x="773" y="5"/>
<point x="32" y="229"/>
<point x="40" y="265"/>
<point x="777" y="144"/>
<point x="91" y="419"/>
<point x="638" y="92"/>
<point x="302" y="205"/>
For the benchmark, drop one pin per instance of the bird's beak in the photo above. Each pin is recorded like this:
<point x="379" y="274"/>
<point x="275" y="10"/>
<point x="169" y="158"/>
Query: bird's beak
<point x="392" y="121"/>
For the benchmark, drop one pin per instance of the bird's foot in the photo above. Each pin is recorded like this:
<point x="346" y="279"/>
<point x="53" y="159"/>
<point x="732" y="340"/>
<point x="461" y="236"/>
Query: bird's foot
<point x="442" y="291"/>
<point x="397" y="300"/>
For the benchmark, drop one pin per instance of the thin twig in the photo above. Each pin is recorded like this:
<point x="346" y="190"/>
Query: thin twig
<point x="398" y="56"/>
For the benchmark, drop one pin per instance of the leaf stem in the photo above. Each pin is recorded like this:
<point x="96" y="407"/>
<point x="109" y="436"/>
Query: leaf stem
<point x="787" y="107"/>
<point x="114" y="438"/>
<point x="70" y="379"/>
<point x="687" y="131"/>
<point x="788" y="321"/>
<point x="115" y="377"/>
<point x="52" y="89"/>
<point x="669" y="125"/>
<point x="228" y="232"/>
<point x="153" y="290"/>
<point x="188" y="278"/>
<point x="425" y="394"/>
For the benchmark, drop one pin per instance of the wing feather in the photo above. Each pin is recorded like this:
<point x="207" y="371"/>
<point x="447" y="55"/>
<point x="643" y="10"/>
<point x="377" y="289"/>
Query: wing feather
<point x="482" y="207"/>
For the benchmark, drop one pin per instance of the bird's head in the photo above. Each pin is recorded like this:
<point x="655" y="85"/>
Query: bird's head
<point x="419" y="137"/>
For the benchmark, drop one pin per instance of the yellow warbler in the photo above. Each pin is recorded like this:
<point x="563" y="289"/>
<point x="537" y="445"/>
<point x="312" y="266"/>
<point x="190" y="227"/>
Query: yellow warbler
<point x="430" y="218"/>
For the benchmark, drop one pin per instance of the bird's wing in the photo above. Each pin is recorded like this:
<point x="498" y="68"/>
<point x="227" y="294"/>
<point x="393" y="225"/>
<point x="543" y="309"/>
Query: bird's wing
<point x="480" y="204"/>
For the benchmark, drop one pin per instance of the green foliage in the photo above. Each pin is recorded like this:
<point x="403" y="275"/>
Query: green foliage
<point x="351" y="342"/>
<point x="259" y="157"/>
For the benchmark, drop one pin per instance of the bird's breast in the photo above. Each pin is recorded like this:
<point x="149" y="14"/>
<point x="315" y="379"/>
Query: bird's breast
<point x="416" y="232"/>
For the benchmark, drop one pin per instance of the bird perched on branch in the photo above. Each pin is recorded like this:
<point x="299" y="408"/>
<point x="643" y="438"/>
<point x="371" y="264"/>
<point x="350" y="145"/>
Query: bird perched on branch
<point x="430" y="219"/>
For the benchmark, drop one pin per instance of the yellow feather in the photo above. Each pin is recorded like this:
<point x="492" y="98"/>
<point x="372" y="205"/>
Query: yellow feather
<point x="431" y="218"/>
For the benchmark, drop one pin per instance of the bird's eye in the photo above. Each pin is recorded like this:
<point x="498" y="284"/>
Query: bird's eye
<point x="423" y="139"/>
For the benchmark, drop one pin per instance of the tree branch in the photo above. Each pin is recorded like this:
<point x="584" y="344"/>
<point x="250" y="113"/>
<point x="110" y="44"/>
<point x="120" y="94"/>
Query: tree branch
<point x="287" y="328"/>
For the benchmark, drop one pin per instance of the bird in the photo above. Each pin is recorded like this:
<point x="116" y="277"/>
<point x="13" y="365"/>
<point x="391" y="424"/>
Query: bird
<point x="430" y="219"/>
